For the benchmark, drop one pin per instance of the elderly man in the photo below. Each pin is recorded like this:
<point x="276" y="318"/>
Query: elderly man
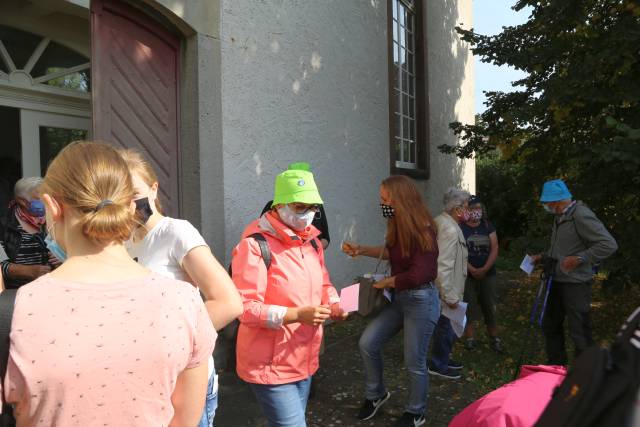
<point x="578" y="241"/>
<point x="452" y="274"/>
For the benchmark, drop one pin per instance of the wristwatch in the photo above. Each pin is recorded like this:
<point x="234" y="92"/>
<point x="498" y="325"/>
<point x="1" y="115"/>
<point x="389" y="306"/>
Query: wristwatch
<point x="581" y="259"/>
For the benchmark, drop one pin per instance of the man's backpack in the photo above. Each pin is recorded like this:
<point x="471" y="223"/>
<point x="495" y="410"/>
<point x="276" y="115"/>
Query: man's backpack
<point x="602" y="385"/>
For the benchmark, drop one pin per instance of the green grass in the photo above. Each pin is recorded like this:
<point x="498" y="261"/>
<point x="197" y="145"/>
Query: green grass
<point x="489" y="370"/>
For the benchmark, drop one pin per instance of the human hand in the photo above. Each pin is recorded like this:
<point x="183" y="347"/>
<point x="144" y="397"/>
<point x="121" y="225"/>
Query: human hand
<point x="53" y="261"/>
<point x="536" y="258"/>
<point x="570" y="263"/>
<point x="35" y="271"/>
<point x="384" y="283"/>
<point x="350" y="248"/>
<point x="337" y="313"/>
<point x="479" y="273"/>
<point x="313" y="316"/>
<point x="453" y="306"/>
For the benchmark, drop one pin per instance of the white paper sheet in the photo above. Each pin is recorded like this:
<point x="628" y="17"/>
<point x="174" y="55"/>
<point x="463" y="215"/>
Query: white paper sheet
<point x="349" y="297"/>
<point x="527" y="265"/>
<point x="458" y="317"/>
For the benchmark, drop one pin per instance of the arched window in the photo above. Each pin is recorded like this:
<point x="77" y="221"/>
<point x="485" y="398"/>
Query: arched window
<point x="27" y="59"/>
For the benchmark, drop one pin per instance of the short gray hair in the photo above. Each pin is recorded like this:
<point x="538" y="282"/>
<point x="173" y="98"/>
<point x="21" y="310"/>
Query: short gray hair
<point x="453" y="198"/>
<point x="26" y="186"/>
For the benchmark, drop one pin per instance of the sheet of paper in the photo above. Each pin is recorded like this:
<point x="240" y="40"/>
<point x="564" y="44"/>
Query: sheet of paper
<point x="349" y="298"/>
<point x="458" y="317"/>
<point x="527" y="265"/>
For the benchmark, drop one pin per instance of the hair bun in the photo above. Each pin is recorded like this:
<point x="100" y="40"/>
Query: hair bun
<point x="108" y="222"/>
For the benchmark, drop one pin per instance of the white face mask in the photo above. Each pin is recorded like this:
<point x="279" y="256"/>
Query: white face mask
<point x="295" y="220"/>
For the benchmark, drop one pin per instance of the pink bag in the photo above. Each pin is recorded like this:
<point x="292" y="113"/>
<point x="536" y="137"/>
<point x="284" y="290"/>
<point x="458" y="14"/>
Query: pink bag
<point x="517" y="404"/>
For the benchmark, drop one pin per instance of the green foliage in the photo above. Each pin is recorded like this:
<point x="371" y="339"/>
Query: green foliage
<point x="575" y="115"/>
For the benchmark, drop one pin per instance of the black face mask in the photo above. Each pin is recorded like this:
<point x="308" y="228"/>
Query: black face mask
<point x="143" y="210"/>
<point x="387" y="211"/>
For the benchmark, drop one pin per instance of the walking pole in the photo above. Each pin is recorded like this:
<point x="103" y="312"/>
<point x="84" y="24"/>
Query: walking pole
<point x="546" y="280"/>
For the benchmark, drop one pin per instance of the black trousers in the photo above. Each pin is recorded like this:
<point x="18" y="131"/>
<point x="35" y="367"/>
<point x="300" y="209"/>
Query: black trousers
<point x="573" y="301"/>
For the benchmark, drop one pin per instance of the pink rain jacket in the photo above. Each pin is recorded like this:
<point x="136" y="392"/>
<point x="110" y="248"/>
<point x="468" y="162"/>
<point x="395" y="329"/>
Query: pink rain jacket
<point x="517" y="404"/>
<point x="267" y="351"/>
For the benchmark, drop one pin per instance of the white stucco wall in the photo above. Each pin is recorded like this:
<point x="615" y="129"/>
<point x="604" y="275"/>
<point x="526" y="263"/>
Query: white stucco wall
<point x="307" y="81"/>
<point x="451" y="95"/>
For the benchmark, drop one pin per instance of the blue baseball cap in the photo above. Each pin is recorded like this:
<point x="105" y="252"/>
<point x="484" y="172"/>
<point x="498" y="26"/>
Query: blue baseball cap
<point x="554" y="191"/>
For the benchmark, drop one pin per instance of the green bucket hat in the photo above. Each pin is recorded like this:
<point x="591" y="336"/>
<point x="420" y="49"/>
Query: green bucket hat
<point x="300" y="166"/>
<point x="296" y="186"/>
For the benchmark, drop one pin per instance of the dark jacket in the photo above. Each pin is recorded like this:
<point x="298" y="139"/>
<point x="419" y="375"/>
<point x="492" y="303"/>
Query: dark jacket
<point x="578" y="232"/>
<point x="10" y="236"/>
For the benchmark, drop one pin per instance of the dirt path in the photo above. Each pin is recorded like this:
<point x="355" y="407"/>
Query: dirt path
<point x="340" y="382"/>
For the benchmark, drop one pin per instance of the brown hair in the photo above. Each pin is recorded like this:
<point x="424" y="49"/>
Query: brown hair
<point x="412" y="225"/>
<point x="84" y="176"/>
<point x="139" y="166"/>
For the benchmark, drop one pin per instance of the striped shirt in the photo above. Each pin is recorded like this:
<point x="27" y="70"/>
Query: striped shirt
<point x="32" y="251"/>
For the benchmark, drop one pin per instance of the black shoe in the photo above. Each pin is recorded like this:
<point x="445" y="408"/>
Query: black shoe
<point x="496" y="345"/>
<point x="370" y="407"/>
<point x="410" y="420"/>
<point x="456" y="366"/>
<point x="449" y="374"/>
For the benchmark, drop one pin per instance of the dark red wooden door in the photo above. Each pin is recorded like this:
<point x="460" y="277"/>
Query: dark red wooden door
<point x="134" y="72"/>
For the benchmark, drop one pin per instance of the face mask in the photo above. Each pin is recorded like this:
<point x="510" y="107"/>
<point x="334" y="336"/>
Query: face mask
<point x="387" y="211"/>
<point x="295" y="220"/>
<point x="464" y="215"/>
<point x="54" y="247"/>
<point x="36" y="208"/>
<point x="143" y="210"/>
<point x="475" y="215"/>
<point x="549" y="209"/>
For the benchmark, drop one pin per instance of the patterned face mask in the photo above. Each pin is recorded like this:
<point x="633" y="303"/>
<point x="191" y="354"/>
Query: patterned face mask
<point x="387" y="211"/>
<point x="475" y="215"/>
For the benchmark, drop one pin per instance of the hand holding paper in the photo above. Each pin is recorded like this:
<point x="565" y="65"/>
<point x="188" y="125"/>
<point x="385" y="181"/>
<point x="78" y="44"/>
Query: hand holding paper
<point x="458" y="317"/>
<point x="527" y="265"/>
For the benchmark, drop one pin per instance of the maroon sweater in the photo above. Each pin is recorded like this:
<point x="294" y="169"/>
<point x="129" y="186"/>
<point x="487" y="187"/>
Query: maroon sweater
<point x="417" y="269"/>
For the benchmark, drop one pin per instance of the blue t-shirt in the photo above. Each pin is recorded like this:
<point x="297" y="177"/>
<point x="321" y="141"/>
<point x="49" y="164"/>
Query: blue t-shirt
<point x="479" y="243"/>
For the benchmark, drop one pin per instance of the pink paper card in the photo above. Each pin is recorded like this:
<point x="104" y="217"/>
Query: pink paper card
<point x="349" y="298"/>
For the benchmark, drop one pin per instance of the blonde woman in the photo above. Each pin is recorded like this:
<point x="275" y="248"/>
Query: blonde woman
<point x="174" y="248"/>
<point x="101" y="339"/>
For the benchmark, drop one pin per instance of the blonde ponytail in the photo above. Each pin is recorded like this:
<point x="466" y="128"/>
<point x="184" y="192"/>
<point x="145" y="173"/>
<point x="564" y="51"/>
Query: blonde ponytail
<point x="85" y="176"/>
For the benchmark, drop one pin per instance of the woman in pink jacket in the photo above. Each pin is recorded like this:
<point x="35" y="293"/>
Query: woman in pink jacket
<point x="278" y="267"/>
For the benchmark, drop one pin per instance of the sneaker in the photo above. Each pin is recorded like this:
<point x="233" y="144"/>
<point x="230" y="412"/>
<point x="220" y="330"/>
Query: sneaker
<point x="470" y="344"/>
<point x="410" y="420"/>
<point x="449" y="374"/>
<point x="370" y="407"/>
<point x="496" y="345"/>
<point x="455" y="365"/>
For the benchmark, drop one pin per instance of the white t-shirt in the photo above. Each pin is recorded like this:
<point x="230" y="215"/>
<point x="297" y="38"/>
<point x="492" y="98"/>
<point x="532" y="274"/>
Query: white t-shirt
<point x="163" y="249"/>
<point x="165" y="246"/>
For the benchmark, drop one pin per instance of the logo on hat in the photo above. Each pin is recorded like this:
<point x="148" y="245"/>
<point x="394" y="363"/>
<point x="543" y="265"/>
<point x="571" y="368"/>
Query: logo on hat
<point x="301" y="183"/>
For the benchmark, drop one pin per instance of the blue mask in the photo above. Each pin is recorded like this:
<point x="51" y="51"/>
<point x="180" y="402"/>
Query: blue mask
<point x="36" y="208"/>
<point x="55" y="248"/>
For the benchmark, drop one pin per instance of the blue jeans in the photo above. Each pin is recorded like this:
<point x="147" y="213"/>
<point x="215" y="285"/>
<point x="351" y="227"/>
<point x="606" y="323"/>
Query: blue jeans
<point x="210" y="404"/>
<point x="416" y="311"/>
<point x="284" y="405"/>
<point x="443" y="339"/>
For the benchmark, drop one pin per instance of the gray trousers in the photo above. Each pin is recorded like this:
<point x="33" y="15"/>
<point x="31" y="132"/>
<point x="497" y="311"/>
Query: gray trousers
<point x="573" y="301"/>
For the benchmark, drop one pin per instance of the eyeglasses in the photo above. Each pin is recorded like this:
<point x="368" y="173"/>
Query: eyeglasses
<point x="301" y="208"/>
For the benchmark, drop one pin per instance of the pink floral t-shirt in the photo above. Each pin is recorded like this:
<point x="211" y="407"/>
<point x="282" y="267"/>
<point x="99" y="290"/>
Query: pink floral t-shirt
<point x="103" y="354"/>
